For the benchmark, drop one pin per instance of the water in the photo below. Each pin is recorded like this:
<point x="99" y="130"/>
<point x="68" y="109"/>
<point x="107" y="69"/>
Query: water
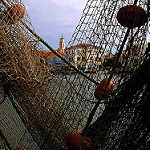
<point x="78" y="97"/>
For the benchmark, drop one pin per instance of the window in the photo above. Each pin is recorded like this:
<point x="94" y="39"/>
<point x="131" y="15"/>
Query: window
<point x="78" y="58"/>
<point x="90" y="51"/>
<point x="99" y="51"/>
<point x="91" y="58"/>
<point x="51" y="58"/>
<point x="71" y="59"/>
<point x="83" y="51"/>
<point x="79" y="66"/>
<point x="83" y="58"/>
<point x="78" y="51"/>
<point x="57" y="59"/>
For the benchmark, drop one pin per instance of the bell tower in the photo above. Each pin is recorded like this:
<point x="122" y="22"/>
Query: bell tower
<point x="62" y="44"/>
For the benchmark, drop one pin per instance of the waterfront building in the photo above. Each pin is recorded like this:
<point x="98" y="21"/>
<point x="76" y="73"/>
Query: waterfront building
<point x="95" y="57"/>
<point x="134" y="56"/>
<point x="85" y="56"/>
<point x="70" y="52"/>
<point x="52" y="58"/>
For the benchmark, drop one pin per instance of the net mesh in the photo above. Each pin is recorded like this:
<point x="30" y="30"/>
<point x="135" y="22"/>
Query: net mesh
<point x="52" y="102"/>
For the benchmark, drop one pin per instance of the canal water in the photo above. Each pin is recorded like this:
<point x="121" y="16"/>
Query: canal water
<point x="77" y="94"/>
<point x="13" y="128"/>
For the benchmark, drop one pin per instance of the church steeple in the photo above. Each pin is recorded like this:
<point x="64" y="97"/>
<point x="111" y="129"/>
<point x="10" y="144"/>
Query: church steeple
<point x="62" y="44"/>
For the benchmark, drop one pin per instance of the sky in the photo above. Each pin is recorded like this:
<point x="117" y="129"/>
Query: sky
<point x="54" y="18"/>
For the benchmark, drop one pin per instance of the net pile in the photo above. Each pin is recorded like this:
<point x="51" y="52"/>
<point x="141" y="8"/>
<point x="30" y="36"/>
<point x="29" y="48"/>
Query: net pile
<point x="52" y="104"/>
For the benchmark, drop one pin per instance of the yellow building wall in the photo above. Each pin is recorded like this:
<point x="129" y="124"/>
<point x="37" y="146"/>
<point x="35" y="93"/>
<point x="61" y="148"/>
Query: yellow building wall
<point x="89" y="57"/>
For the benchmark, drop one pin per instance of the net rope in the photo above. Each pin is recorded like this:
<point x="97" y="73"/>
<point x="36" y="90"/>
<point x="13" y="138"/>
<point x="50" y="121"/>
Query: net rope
<point x="51" y="103"/>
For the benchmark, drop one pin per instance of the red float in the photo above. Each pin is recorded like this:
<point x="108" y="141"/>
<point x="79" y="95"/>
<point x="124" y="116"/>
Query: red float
<point x="132" y="16"/>
<point x="102" y="91"/>
<point x="19" y="149"/>
<point x="76" y="141"/>
<point x="15" y="12"/>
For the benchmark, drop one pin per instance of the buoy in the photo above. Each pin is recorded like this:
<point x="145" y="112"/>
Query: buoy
<point x="102" y="91"/>
<point x="15" y="13"/>
<point x="132" y="16"/>
<point x="76" y="141"/>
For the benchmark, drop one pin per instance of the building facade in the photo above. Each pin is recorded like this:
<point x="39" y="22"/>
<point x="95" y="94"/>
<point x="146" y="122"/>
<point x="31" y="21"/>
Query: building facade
<point x="55" y="60"/>
<point x="70" y="52"/>
<point x="85" y="56"/>
<point x="134" y="56"/>
<point x="52" y="58"/>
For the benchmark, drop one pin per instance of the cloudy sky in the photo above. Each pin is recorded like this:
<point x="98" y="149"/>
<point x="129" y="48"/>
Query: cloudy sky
<point x="52" y="18"/>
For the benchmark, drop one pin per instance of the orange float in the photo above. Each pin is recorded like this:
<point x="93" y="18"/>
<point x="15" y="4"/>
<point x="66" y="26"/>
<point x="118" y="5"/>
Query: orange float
<point x="15" y="12"/>
<point x="102" y="91"/>
<point x="76" y="141"/>
<point x="132" y="16"/>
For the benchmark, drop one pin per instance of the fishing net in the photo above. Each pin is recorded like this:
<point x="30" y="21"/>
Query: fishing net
<point x="43" y="106"/>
